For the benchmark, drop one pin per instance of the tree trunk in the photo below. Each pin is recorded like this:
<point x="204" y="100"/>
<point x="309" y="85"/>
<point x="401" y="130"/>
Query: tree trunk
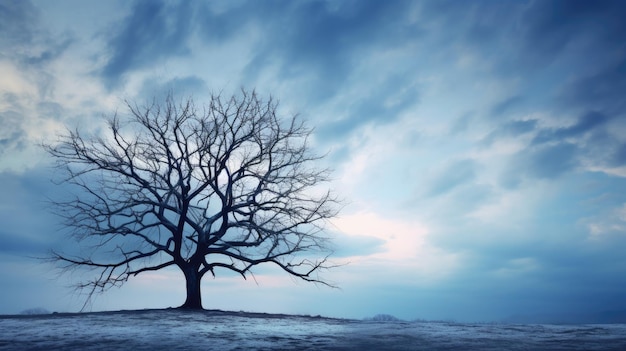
<point x="194" y="298"/>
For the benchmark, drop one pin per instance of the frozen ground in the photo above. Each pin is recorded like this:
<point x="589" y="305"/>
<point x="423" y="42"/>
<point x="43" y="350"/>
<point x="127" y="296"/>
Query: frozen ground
<point x="216" y="330"/>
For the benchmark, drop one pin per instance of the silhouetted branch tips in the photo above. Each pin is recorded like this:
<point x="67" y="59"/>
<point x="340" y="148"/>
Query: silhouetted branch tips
<point x="229" y="186"/>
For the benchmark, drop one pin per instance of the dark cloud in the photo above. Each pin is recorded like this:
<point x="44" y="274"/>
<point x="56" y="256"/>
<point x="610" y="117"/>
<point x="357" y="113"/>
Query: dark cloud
<point x="587" y="123"/>
<point x="568" y="59"/>
<point x="321" y="42"/>
<point x="327" y="38"/>
<point x="510" y="129"/>
<point x="551" y="161"/>
<point x="17" y="20"/>
<point x="556" y="151"/>
<point x="470" y="22"/>
<point x="374" y="107"/>
<point x="601" y="90"/>
<point x="152" y="32"/>
<point x="50" y="53"/>
<point x="549" y="26"/>
<point x="301" y="37"/>
<point x="548" y="161"/>
<point x="525" y="37"/>
<point x="22" y="38"/>
<point x="587" y="37"/>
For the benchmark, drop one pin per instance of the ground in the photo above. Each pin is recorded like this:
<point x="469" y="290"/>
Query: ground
<point x="174" y="329"/>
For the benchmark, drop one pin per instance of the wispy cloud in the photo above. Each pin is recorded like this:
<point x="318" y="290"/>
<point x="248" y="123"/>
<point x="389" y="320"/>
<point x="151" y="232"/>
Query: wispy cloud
<point x="161" y="29"/>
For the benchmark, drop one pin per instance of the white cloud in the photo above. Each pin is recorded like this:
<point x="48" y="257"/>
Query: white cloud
<point x="13" y="80"/>
<point x="406" y="248"/>
<point x="610" y="223"/>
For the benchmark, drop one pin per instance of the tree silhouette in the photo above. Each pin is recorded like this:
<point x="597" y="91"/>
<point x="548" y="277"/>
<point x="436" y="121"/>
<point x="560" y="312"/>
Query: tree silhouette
<point x="229" y="186"/>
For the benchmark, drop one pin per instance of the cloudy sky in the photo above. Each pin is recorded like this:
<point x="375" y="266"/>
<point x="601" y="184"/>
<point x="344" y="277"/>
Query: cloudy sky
<point x="480" y="145"/>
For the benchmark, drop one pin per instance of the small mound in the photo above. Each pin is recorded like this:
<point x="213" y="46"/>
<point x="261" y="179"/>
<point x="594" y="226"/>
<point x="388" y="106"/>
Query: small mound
<point x="35" y="311"/>
<point x="384" y="318"/>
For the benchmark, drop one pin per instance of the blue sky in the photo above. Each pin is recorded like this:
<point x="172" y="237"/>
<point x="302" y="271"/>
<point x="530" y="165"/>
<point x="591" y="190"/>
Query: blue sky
<point x="480" y="145"/>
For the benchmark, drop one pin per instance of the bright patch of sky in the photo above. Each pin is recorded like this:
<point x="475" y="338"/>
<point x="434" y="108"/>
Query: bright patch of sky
<point x="480" y="145"/>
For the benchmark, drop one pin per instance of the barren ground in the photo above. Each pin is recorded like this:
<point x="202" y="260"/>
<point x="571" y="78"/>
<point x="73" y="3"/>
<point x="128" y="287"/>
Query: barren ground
<point x="218" y="330"/>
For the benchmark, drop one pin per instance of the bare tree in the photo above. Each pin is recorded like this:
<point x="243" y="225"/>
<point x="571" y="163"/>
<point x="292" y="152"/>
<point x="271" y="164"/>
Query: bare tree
<point x="228" y="186"/>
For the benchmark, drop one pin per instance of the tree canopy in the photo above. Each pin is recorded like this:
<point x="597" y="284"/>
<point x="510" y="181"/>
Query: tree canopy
<point x="229" y="186"/>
